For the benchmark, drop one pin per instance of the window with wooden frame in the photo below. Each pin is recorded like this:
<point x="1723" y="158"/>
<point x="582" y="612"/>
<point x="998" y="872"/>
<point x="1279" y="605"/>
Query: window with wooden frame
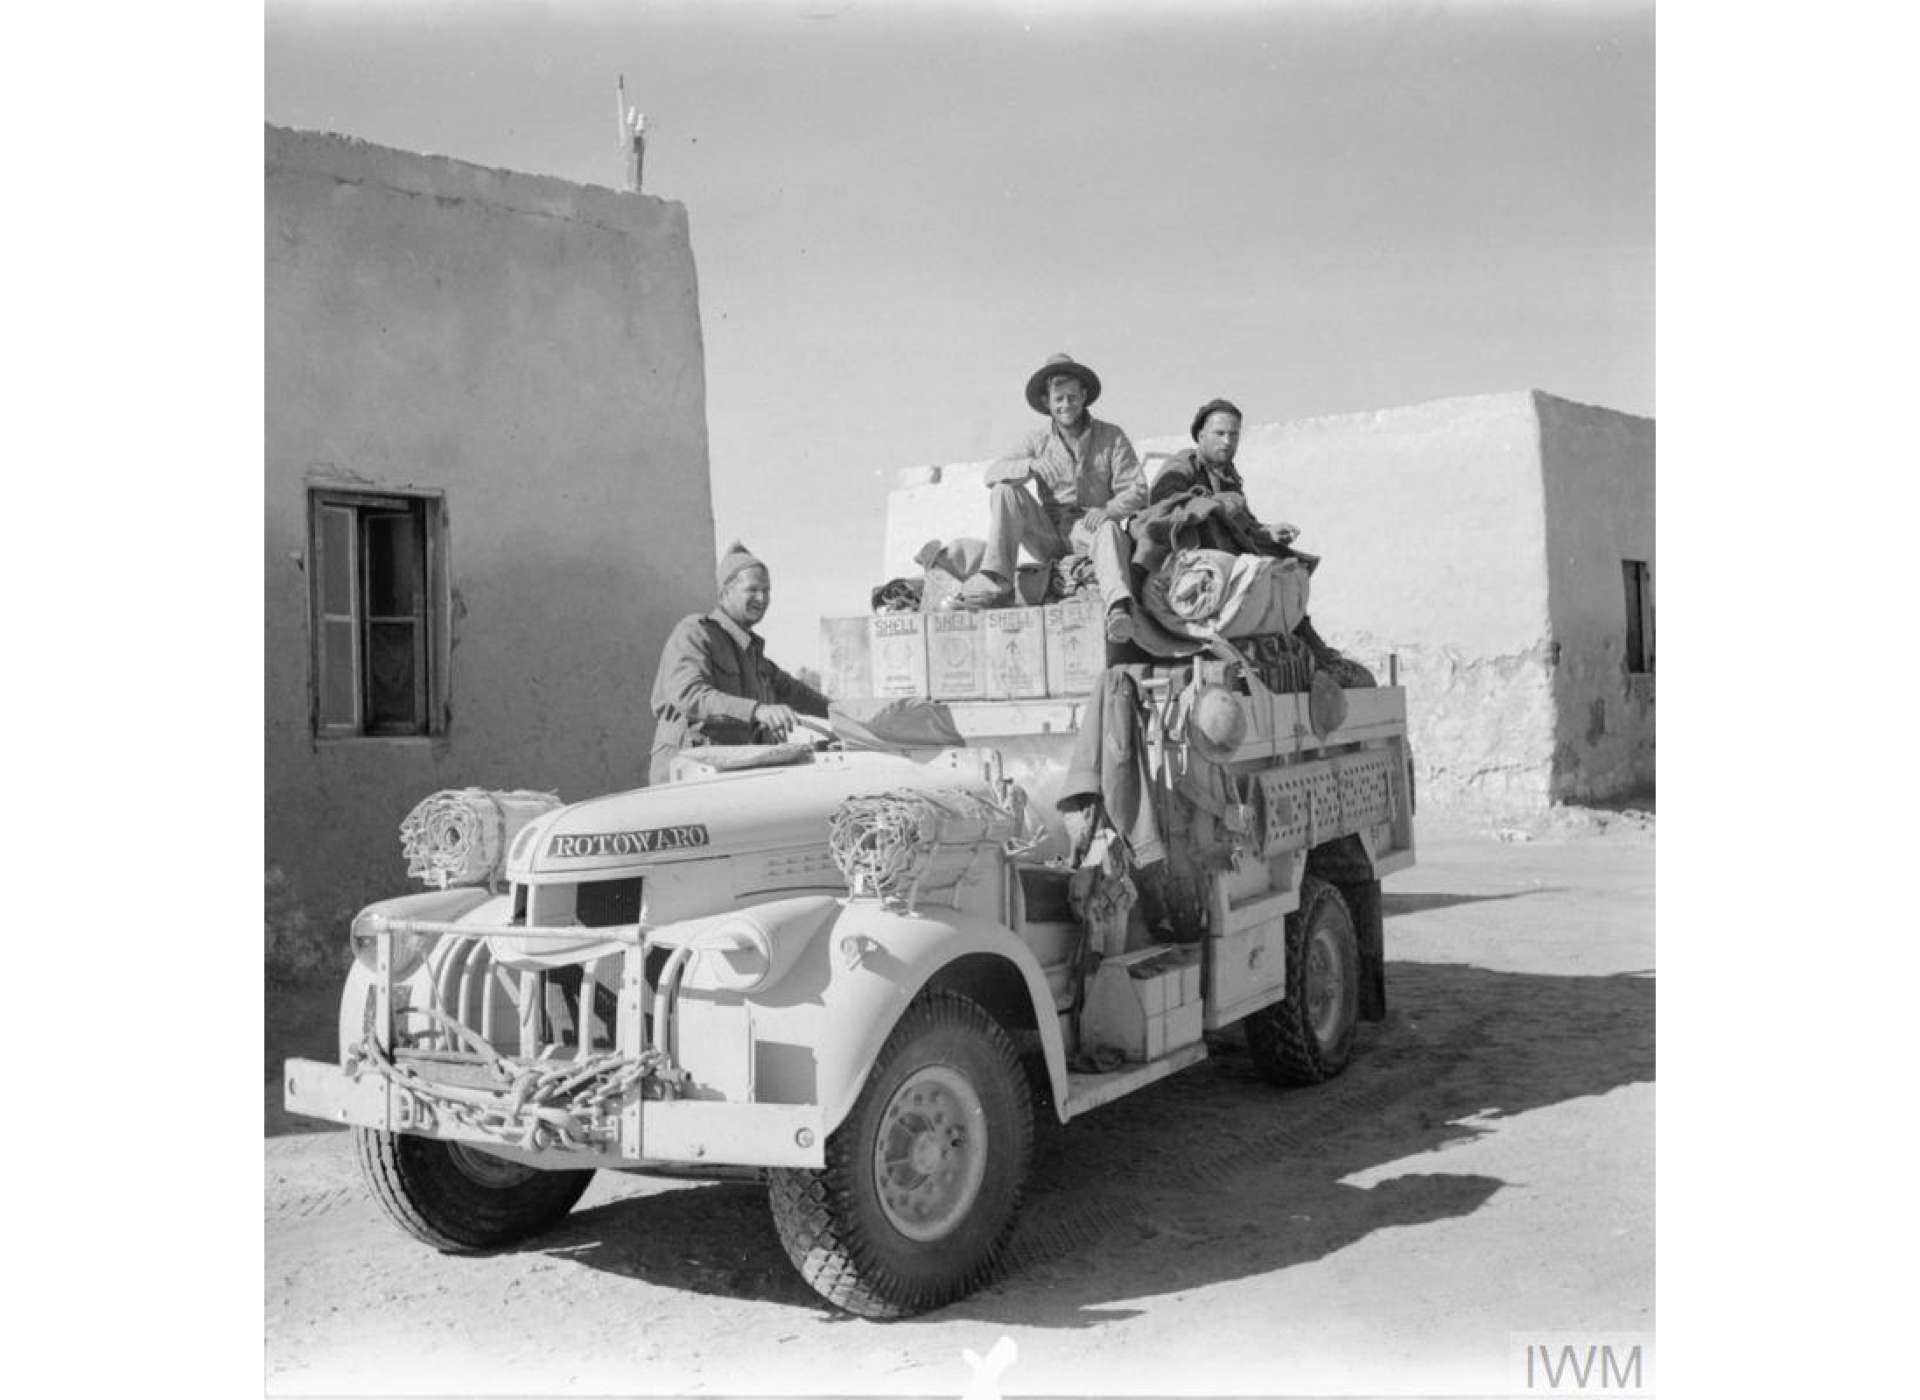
<point x="1639" y="585"/>
<point x="378" y="619"/>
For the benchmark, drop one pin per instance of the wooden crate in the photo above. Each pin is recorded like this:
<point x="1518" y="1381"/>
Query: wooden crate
<point x="1016" y="653"/>
<point x="846" y="647"/>
<point x="956" y="655"/>
<point x="898" y="643"/>
<point x="1076" y="645"/>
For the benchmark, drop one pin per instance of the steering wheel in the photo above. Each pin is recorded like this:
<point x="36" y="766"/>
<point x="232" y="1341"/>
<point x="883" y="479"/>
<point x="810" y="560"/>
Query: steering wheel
<point x="819" y="729"/>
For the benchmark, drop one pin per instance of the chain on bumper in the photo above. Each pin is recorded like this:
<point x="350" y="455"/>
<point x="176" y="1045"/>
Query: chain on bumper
<point x="535" y="1104"/>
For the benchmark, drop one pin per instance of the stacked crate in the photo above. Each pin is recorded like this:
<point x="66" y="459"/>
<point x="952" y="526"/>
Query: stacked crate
<point x="997" y="654"/>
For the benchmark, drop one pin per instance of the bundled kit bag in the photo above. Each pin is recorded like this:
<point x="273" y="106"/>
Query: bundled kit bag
<point x="1209" y="592"/>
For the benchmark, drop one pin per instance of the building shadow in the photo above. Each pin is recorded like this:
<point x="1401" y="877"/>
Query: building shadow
<point x="302" y="1023"/>
<point x="1213" y="1174"/>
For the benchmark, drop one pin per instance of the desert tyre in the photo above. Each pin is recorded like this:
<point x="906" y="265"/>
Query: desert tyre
<point x="924" y="1177"/>
<point x="1308" y="1037"/>
<point x="460" y="1199"/>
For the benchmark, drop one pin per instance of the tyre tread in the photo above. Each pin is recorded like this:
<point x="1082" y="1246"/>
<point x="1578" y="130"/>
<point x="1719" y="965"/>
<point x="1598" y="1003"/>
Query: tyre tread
<point x="1279" y="1037"/>
<point x="439" y="1208"/>
<point x="815" y="1210"/>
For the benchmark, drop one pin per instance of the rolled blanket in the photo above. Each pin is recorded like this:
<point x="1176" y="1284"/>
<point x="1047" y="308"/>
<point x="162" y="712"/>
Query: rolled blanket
<point x="462" y="837"/>
<point x="1208" y="592"/>
<point x="1197" y="583"/>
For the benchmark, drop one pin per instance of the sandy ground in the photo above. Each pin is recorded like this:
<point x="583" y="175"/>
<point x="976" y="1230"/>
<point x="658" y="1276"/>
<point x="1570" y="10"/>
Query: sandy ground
<point x="1481" y="1178"/>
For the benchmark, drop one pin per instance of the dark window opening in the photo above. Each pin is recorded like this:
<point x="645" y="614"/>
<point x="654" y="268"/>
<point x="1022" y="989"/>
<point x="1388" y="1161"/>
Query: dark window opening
<point x="1639" y="616"/>
<point x="375" y="613"/>
<point x="607" y="903"/>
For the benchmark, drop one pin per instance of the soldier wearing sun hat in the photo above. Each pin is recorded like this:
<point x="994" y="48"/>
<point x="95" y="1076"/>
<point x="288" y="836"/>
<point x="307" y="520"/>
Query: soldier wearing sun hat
<point x="1084" y="476"/>
<point x="714" y="684"/>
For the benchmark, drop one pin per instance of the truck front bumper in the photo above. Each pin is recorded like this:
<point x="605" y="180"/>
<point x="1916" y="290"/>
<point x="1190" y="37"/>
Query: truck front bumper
<point x="665" y="1131"/>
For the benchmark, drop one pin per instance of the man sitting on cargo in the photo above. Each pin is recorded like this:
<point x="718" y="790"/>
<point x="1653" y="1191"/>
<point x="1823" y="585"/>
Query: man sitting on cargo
<point x="1202" y="484"/>
<point x="1207" y="469"/>
<point x="714" y="684"/>
<point x="1087" y="478"/>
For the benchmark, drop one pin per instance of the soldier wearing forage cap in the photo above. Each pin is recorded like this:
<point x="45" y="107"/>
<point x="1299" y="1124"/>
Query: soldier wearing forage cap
<point x="1085" y="479"/>
<point x="1207" y="469"/>
<point x="714" y="684"/>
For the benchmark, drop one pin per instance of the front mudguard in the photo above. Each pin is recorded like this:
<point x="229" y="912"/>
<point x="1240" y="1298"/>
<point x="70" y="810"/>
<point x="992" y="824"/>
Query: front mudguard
<point x="448" y="905"/>
<point x="882" y="960"/>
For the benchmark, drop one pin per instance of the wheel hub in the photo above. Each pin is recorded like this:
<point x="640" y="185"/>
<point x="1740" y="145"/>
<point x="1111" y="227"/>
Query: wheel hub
<point x="1326" y="989"/>
<point x="930" y="1155"/>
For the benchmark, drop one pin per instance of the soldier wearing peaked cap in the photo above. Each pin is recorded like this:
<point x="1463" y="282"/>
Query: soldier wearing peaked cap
<point x="714" y="684"/>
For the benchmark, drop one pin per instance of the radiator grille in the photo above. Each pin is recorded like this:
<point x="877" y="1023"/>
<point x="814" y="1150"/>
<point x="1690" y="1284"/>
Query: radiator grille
<point x="604" y="903"/>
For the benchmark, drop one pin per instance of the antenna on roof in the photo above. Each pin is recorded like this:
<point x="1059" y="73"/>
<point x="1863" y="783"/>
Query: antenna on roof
<point x="633" y="133"/>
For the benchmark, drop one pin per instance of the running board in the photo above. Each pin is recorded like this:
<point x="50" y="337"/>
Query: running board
<point x="1088" y="1091"/>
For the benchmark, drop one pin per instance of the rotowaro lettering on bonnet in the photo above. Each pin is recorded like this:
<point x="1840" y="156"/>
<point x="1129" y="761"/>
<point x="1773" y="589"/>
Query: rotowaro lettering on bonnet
<point x="628" y="843"/>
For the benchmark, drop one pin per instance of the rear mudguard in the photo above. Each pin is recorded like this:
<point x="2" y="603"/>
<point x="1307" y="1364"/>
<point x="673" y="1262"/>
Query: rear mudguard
<point x="882" y="960"/>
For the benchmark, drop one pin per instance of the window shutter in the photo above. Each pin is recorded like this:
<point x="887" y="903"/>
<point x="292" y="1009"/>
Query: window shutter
<point x="336" y="649"/>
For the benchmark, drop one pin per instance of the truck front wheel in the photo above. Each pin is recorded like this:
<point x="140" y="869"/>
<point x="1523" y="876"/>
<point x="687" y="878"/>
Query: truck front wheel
<point x="923" y="1179"/>
<point x="459" y="1199"/>
<point x="1308" y="1037"/>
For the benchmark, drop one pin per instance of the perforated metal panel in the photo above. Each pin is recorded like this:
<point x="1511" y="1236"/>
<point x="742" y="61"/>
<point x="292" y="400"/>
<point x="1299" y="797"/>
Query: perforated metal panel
<point x="1366" y="790"/>
<point x="1315" y="802"/>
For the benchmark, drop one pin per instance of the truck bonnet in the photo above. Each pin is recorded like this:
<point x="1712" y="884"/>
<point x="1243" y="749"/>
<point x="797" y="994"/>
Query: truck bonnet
<point x="753" y="810"/>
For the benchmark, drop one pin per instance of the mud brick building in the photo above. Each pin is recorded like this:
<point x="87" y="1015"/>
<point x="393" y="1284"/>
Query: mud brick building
<point x="486" y="496"/>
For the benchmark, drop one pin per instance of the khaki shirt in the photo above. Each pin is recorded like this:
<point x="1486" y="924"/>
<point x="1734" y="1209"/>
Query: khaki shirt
<point x="1098" y="470"/>
<point x="712" y="674"/>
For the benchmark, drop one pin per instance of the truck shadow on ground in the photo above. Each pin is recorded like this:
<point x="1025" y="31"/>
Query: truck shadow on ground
<point x="1145" y="1195"/>
<point x="1392" y="903"/>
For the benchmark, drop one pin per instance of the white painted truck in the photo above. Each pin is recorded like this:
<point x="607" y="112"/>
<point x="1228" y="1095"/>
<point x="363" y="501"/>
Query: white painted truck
<point x="687" y="977"/>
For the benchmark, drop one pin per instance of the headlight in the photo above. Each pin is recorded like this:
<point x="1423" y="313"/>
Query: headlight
<point x="737" y="954"/>
<point x="409" y="949"/>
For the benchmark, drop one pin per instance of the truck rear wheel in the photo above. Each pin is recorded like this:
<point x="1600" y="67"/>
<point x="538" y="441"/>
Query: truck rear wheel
<point x="1308" y="1037"/>
<point x="923" y="1179"/>
<point x="460" y="1199"/>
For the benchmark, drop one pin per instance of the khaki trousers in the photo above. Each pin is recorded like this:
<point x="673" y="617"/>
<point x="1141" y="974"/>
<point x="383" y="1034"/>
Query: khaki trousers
<point x="1015" y="518"/>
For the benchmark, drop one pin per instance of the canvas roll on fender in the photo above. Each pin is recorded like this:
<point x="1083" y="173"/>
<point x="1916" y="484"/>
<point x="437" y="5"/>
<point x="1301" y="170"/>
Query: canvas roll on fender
<point x="882" y="960"/>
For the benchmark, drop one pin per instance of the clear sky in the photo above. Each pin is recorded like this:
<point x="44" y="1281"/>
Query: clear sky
<point x="899" y="210"/>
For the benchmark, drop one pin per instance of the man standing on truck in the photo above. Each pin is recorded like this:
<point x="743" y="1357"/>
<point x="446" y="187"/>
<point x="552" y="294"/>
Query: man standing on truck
<point x="1085" y="475"/>
<point x="714" y="684"/>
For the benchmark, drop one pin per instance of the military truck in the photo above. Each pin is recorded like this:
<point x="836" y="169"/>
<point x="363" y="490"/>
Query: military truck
<point x="861" y="970"/>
